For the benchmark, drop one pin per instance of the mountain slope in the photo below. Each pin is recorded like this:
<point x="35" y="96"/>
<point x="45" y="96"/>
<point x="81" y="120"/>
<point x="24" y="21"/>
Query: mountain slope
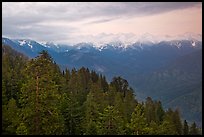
<point x="167" y="70"/>
<point x="178" y="84"/>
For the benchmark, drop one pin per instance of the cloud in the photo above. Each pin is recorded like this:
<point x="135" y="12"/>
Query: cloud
<point x="57" y="21"/>
<point x="38" y="32"/>
<point x="104" y="20"/>
<point x="78" y="11"/>
<point x="151" y="8"/>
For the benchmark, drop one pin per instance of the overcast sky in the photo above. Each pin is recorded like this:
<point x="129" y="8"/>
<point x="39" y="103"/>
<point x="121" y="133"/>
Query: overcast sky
<point x="69" y="22"/>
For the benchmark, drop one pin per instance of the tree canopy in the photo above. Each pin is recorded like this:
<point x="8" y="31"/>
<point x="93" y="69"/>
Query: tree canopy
<point x="40" y="99"/>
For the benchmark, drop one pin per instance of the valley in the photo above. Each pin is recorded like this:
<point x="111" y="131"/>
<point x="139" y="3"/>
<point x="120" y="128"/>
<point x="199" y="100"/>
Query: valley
<point x="163" y="70"/>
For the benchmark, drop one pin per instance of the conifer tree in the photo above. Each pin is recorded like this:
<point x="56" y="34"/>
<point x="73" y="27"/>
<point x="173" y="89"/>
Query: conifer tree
<point x="111" y="122"/>
<point x="149" y="110"/>
<point x="40" y="96"/>
<point x="120" y="84"/>
<point x="177" y="122"/>
<point x="138" y="123"/>
<point x="71" y="111"/>
<point x="67" y="75"/>
<point x="168" y="127"/>
<point x="185" y="128"/>
<point x="193" y="129"/>
<point x="91" y="114"/>
<point x="159" y="113"/>
<point x="10" y="116"/>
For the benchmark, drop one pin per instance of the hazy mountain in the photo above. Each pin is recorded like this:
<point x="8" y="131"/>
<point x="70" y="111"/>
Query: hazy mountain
<point x="178" y="84"/>
<point x="166" y="70"/>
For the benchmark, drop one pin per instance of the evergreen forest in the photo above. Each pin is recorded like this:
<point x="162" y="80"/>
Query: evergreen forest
<point x="38" y="98"/>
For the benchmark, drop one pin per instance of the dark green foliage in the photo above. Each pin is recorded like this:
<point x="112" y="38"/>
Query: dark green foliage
<point x="40" y="96"/>
<point x="71" y="111"/>
<point x="10" y="117"/>
<point x="138" y="123"/>
<point x="159" y="112"/>
<point x="37" y="98"/>
<point x="111" y="122"/>
<point x="193" y="129"/>
<point x="67" y="75"/>
<point x="91" y="112"/>
<point x="22" y="129"/>
<point x="120" y="84"/>
<point x="12" y="64"/>
<point x="185" y="128"/>
<point x="177" y="122"/>
<point x="149" y="110"/>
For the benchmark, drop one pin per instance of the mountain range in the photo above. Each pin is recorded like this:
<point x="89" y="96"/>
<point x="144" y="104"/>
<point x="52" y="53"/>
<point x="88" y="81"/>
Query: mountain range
<point x="168" y="70"/>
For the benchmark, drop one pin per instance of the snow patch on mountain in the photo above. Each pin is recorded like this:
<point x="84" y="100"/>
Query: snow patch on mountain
<point x="125" y="40"/>
<point x="193" y="44"/>
<point x="31" y="46"/>
<point x="45" y="45"/>
<point x="22" y="42"/>
<point x="178" y="44"/>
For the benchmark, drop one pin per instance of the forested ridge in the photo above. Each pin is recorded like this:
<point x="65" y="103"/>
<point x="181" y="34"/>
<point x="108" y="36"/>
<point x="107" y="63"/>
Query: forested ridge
<point x="39" y="98"/>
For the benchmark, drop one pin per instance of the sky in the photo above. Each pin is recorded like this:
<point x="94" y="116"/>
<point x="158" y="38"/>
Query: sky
<point x="73" y="22"/>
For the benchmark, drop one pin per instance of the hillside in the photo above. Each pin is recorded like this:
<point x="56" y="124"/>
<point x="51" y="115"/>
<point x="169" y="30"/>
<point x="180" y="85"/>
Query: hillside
<point x="78" y="102"/>
<point x="178" y="84"/>
<point x="164" y="70"/>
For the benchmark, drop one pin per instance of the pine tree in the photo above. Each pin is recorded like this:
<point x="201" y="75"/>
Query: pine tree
<point x="10" y="117"/>
<point x="12" y="64"/>
<point x="193" y="129"/>
<point x="71" y="111"/>
<point x="159" y="113"/>
<point x="91" y="114"/>
<point x="73" y="82"/>
<point x="168" y="126"/>
<point x="138" y="123"/>
<point x="177" y="122"/>
<point x="150" y="110"/>
<point x="120" y="84"/>
<point x="94" y="76"/>
<point x="129" y="102"/>
<point x="104" y="84"/>
<point x="120" y="106"/>
<point x="40" y="96"/>
<point x="153" y="128"/>
<point x="111" y="122"/>
<point x="67" y="75"/>
<point x="185" y="128"/>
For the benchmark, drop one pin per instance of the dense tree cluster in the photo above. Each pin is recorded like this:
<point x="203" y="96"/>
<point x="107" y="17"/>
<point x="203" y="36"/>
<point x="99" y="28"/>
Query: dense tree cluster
<point x="37" y="98"/>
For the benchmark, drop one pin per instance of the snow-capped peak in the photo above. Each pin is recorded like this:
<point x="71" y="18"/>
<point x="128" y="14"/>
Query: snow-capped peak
<point x="127" y="39"/>
<point x="50" y="44"/>
<point x="122" y="41"/>
<point x="147" y="38"/>
<point x="185" y="36"/>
